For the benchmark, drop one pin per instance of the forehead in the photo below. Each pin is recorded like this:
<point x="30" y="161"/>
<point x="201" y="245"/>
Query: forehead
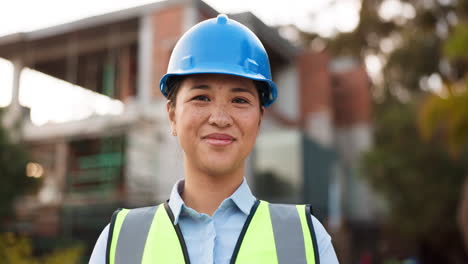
<point x="212" y="79"/>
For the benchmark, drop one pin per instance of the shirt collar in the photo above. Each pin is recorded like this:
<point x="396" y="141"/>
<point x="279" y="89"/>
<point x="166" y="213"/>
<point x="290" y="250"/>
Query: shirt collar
<point x="242" y="198"/>
<point x="175" y="201"/>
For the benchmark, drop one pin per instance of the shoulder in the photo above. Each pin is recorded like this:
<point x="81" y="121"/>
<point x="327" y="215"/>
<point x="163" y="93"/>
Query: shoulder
<point x="99" y="252"/>
<point x="98" y="255"/>
<point x="124" y="217"/>
<point x="324" y="242"/>
<point x="320" y="231"/>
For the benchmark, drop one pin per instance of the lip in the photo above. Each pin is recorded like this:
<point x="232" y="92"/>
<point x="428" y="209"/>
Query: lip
<point x="219" y="139"/>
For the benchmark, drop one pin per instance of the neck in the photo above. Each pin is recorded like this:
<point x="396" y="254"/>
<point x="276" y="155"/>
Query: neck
<point x="204" y="192"/>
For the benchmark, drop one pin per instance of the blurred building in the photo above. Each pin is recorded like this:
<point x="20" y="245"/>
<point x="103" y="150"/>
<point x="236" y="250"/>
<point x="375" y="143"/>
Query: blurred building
<point x="308" y="151"/>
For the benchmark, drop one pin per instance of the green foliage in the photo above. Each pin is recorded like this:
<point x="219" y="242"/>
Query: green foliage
<point x="67" y="255"/>
<point x="16" y="250"/>
<point x="448" y="115"/>
<point x="13" y="160"/>
<point x="455" y="46"/>
<point x="366" y="38"/>
<point x="409" y="164"/>
<point x="419" y="180"/>
<point x="418" y="44"/>
<point x="19" y="250"/>
<point x="417" y="55"/>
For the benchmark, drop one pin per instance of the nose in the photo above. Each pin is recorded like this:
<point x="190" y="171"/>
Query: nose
<point x="220" y="117"/>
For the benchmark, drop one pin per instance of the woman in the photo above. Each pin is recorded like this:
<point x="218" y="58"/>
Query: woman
<point x="218" y="84"/>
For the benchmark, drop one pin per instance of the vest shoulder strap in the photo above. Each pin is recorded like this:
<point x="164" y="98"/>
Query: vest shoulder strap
<point x="273" y="233"/>
<point x="132" y="231"/>
<point x="277" y="233"/>
<point x="310" y="224"/>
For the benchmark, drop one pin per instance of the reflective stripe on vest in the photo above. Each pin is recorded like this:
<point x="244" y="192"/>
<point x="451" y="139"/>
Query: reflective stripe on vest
<point x="146" y="235"/>
<point x="273" y="233"/>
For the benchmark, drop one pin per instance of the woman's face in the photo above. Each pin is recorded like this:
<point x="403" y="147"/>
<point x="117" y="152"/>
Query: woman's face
<point x="216" y="118"/>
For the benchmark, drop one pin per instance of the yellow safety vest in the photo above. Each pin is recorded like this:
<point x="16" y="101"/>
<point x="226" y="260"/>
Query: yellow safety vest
<point x="272" y="233"/>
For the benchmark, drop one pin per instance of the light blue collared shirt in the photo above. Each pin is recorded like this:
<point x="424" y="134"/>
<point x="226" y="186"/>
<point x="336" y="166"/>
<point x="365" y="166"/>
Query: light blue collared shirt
<point x="211" y="239"/>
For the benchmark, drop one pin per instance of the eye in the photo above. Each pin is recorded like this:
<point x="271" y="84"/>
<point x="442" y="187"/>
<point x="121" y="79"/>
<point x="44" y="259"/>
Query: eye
<point x="202" y="98"/>
<point x="239" y="100"/>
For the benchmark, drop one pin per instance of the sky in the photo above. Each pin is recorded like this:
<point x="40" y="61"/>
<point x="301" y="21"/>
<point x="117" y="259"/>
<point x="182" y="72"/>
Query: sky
<point x="326" y="17"/>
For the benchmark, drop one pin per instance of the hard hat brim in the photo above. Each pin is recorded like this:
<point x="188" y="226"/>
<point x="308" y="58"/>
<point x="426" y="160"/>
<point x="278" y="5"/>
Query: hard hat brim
<point x="272" y="89"/>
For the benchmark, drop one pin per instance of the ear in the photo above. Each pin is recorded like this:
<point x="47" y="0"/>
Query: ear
<point x="170" y="113"/>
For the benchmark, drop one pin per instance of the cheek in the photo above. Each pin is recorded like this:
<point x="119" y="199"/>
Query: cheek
<point x="250" y="124"/>
<point x="188" y="120"/>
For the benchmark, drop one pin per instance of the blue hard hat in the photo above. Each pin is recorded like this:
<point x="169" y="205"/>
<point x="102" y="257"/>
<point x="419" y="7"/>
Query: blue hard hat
<point x="221" y="45"/>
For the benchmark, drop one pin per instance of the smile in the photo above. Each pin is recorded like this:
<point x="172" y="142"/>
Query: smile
<point x="218" y="139"/>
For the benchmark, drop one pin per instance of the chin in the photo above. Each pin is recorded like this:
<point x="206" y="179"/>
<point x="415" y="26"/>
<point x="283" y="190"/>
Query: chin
<point x="219" y="167"/>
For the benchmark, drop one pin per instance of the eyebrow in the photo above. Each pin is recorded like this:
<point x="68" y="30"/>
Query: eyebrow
<point x="240" y="90"/>
<point x="201" y="86"/>
<point x="235" y="89"/>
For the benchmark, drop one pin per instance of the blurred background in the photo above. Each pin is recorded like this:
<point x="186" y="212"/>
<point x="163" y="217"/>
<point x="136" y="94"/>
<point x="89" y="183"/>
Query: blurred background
<point x="370" y="126"/>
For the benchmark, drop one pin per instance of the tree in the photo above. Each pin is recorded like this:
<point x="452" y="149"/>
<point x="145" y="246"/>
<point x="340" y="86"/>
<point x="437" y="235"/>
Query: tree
<point x="19" y="250"/>
<point x="419" y="181"/>
<point x="13" y="179"/>
<point x="446" y="114"/>
<point x="409" y="43"/>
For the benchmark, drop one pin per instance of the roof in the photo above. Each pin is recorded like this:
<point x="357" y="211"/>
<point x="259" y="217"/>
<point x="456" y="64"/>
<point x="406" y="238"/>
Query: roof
<point x="269" y="35"/>
<point x="13" y="43"/>
<point x="98" y="20"/>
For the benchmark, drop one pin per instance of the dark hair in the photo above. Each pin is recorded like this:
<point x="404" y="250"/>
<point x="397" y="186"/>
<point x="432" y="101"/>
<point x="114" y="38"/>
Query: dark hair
<point x="174" y="82"/>
<point x="173" y="85"/>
